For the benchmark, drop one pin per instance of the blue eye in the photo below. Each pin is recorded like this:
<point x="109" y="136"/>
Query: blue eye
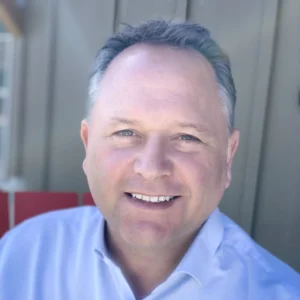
<point x="189" y="138"/>
<point x="125" y="133"/>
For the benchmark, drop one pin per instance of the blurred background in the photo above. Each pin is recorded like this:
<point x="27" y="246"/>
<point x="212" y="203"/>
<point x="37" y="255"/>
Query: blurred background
<point x="46" y="54"/>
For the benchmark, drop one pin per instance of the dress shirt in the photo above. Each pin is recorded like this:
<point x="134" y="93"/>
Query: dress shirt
<point x="62" y="255"/>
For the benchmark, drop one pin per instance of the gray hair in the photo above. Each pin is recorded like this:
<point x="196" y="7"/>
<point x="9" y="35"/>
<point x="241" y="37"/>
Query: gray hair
<point x="179" y="35"/>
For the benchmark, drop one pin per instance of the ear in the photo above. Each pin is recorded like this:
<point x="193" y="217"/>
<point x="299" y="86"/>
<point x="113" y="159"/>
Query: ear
<point x="84" y="134"/>
<point x="231" y="150"/>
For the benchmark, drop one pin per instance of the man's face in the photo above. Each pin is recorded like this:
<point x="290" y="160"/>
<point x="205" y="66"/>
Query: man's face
<point x="157" y="130"/>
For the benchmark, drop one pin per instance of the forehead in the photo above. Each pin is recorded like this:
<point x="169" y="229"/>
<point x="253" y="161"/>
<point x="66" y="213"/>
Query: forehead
<point x="176" y="65"/>
<point x="164" y="81"/>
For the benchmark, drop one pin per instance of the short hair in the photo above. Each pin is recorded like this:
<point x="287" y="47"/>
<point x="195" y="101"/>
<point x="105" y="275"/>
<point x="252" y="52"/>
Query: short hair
<point x="181" y="35"/>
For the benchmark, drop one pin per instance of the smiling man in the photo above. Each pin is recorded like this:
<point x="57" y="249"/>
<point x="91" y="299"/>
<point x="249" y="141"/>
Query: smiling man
<point x="159" y="140"/>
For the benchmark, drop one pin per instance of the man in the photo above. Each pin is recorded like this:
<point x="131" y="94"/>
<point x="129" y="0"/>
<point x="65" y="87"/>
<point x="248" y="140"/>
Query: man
<point x="159" y="140"/>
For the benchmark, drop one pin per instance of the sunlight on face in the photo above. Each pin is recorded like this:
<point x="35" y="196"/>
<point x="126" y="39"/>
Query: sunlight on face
<point x="157" y="131"/>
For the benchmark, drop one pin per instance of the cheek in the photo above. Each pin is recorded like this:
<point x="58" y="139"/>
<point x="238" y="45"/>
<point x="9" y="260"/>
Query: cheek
<point x="114" y="161"/>
<point x="106" y="172"/>
<point x="202" y="169"/>
<point x="107" y="164"/>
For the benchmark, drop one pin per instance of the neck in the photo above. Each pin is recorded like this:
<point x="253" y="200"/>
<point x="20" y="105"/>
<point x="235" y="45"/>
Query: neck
<point x="145" y="269"/>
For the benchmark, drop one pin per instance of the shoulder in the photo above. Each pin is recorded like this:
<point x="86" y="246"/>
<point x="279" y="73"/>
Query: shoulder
<point x="65" y="224"/>
<point x="264" y="271"/>
<point x="46" y="250"/>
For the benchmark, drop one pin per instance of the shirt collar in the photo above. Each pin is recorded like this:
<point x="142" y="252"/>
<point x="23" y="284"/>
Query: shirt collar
<point x="99" y="243"/>
<point x="197" y="261"/>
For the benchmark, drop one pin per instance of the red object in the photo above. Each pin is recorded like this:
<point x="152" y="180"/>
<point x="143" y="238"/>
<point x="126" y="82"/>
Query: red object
<point x="88" y="199"/>
<point x="29" y="204"/>
<point x="4" y="213"/>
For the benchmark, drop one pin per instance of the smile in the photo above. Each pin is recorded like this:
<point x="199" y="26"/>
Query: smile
<point x="154" y="199"/>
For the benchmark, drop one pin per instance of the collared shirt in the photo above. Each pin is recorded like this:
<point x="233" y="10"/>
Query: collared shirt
<point x="62" y="256"/>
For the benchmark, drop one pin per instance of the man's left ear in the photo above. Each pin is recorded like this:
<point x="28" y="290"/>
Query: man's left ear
<point x="84" y="130"/>
<point x="231" y="150"/>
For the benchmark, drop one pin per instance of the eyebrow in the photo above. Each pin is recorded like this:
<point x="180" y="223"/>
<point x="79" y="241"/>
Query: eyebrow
<point x="124" y="121"/>
<point x="189" y="125"/>
<point x="194" y="126"/>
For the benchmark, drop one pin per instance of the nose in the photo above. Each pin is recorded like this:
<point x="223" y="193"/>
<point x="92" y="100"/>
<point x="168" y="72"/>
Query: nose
<point x="152" y="161"/>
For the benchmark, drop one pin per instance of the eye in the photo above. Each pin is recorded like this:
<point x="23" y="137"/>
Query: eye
<point x="189" y="138"/>
<point x="124" y="133"/>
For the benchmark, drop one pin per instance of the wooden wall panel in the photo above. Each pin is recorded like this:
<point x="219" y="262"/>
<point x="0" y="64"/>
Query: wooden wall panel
<point x="81" y="30"/>
<point x="277" y="221"/>
<point x="134" y="11"/>
<point x="34" y="98"/>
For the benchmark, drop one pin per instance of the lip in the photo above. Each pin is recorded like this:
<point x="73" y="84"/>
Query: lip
<point x="150" y="205"/>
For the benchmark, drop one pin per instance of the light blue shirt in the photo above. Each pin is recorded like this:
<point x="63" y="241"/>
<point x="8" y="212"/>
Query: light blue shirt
<point x="62" y="256"/>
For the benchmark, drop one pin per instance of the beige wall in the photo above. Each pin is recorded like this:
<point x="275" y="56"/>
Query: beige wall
<point x="61" y="39"/>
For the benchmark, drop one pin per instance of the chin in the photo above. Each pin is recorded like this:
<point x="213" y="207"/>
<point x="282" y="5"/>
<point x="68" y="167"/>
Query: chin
<point x="146" y="235"/>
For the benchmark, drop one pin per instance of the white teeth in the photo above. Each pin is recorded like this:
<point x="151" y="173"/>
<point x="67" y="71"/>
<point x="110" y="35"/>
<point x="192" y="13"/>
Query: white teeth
<point x="146" y="198"/>
<point x="152" y="198"/>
